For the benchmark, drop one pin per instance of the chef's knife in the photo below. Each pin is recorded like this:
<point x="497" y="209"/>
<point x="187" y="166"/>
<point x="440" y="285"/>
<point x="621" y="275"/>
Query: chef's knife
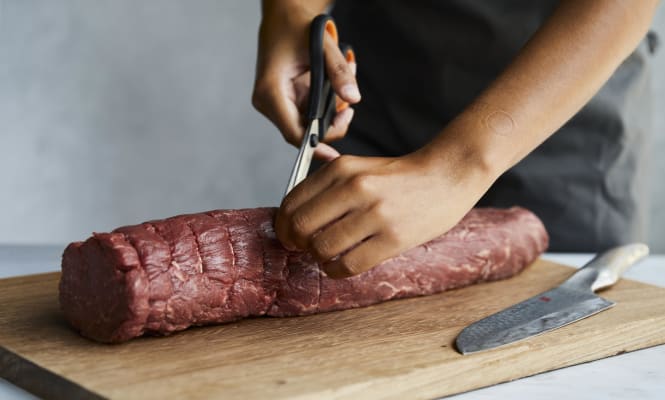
<point x="565" y="304"/>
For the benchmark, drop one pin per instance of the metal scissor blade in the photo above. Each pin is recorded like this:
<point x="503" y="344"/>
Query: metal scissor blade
<point x="304" y="159"/>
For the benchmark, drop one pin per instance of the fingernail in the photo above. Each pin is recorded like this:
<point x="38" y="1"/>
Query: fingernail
<point x="350" y="92"/>
<point x="354" y="68"/>
<point x="326" y="152"/>
<point x="289" y="246"/>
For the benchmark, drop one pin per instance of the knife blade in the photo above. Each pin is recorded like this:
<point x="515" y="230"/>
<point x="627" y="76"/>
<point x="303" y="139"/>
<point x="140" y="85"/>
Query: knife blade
<point x="573" y="300"/>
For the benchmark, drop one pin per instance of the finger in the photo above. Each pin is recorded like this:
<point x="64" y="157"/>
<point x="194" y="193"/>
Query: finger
<point x="339" y="72"/>
<point x="320" y="211"/>
<point x="351" y="59"/>
<point x="320" y="180"/>
<point x="342" y="235"/>
<point x="290" y="204"/>
<point x="339" y="103"/>
<point x="275" y="100"/>
<point x="325" y="152"/>
<point x="301" y="87"/>
<point x="340" y="125"/>
<point x="365" y="256"/>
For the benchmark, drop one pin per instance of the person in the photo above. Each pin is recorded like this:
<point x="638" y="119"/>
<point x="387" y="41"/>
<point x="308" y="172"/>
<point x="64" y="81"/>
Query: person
<point x="460" y="104"/>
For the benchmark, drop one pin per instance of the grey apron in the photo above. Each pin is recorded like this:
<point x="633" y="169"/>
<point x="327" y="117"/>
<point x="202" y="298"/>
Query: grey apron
<point x="420" y="62"/>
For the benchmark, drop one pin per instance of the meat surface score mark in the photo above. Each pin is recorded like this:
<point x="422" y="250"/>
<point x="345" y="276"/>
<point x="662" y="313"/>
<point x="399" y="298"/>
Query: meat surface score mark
<point x="163" y="276"/>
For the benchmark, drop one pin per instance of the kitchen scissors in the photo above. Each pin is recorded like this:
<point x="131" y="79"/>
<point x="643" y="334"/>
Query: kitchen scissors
<point x="323" y="105"/>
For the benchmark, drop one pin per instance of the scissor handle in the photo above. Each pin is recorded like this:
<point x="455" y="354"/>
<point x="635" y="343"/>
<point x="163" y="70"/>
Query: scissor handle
<point x="322" y="99"/>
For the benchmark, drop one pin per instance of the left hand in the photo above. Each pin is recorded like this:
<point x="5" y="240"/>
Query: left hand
<point x="356" y="212"/>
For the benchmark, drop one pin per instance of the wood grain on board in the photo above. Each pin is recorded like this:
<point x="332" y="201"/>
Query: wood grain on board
<point x="399" y="349"/>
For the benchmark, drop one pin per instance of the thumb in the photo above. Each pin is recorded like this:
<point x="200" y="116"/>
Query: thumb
<point x="274" y="98"/>
<point x="340" y="72"/>
<point x="325" y="152"/>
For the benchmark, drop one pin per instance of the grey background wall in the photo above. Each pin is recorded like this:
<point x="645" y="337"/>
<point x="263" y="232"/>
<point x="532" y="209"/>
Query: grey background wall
<point x="118" y="111"/>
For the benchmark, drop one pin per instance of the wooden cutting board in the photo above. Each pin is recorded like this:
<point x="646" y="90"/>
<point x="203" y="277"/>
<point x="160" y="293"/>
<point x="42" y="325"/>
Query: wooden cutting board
<point x="399" y="349"/>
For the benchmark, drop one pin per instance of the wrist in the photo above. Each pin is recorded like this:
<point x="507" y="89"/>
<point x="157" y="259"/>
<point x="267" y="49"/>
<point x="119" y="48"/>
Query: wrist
<point x="463" y="153"/>
<point x="283" y="34"/>
<point x="292" y="12"/>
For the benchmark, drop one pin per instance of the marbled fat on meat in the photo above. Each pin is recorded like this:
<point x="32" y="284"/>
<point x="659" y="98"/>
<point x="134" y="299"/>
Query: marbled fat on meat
<point x="163" y="276"/>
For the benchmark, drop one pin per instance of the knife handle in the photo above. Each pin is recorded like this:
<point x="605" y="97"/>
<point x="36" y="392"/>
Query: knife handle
<point x="607" y="267"/>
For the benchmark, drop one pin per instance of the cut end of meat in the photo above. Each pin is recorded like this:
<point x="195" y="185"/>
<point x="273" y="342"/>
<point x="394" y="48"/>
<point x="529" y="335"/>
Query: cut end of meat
<point x="103" y="289"/>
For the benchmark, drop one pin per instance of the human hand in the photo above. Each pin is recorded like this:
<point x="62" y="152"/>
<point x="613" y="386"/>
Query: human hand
<point x="356" y="212"/>
<point x="281" y="88"/>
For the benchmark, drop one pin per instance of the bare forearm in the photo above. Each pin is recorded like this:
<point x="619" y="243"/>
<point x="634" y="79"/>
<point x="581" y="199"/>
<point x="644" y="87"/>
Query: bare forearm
<point x="283" y="29"/>
<point x="554" y="75"/>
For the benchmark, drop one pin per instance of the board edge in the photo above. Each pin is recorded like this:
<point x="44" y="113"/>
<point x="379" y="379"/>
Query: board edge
<point x="39" y="381"/>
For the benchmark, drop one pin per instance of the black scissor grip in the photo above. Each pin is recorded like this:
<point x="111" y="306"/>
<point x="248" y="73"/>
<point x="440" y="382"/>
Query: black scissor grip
<point x="322" y="99"/>
<point x="318" y="76"/>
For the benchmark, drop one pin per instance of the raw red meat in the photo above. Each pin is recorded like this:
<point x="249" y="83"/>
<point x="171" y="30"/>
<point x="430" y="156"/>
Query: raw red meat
<point x="209" y="268"/>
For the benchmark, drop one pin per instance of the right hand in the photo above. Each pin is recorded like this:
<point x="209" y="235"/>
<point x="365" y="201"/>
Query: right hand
<point x="281" y="87"/>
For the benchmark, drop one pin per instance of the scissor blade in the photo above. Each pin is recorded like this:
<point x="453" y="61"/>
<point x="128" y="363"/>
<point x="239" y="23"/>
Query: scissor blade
<point x="304" y="159"/>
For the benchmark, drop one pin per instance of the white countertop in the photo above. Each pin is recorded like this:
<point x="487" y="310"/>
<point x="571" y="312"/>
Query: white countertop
<point x="636" y="375"/>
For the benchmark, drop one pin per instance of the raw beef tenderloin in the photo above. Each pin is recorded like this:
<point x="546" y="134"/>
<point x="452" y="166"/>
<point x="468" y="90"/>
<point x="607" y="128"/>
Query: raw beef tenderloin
<point x="209" y="268"/>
